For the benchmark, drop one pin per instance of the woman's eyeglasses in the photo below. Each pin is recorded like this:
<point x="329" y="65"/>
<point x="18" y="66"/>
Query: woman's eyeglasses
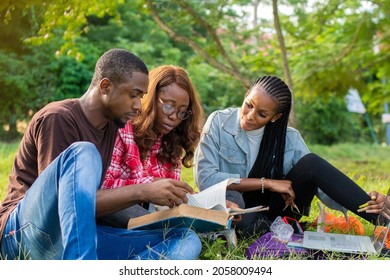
<point x="168" y="110"/>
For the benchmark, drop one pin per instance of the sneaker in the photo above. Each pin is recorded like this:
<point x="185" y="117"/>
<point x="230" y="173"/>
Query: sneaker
<point x="229" y="235"/>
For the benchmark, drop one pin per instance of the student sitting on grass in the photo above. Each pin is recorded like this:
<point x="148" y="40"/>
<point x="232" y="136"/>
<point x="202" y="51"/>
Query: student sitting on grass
<point x="161" y="139"/>
<point x="255" y="144"/>
<point x="53" y="194"/>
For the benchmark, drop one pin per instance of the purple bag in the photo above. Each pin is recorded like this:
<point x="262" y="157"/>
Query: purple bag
<point x="268" y="247"/>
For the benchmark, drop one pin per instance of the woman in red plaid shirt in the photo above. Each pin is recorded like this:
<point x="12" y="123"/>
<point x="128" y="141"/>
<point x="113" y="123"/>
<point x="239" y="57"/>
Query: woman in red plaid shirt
<point x="161" y="139"/>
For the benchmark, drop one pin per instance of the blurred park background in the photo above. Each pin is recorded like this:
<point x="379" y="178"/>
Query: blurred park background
<point x="322" y="49"/>
<point x="333" y="54"/>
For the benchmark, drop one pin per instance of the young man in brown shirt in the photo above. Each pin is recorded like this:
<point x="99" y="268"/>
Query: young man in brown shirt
<point x="53" y="196"/>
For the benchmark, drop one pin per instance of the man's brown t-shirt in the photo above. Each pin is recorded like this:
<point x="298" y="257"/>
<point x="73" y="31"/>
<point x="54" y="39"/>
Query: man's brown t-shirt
<point x="51" y="130"/>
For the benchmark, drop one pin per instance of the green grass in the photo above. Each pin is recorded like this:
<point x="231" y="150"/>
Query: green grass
<point x="7" y="153"/>
<point x="367" y="165"/>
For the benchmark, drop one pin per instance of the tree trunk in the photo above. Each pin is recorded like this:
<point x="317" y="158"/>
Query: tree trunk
<point x="12" y="132"/>
<point x="286" y="68"/>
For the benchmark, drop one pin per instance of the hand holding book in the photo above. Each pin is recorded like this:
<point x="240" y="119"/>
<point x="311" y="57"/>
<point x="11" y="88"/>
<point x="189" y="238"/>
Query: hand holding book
<point x="232" y="205"/>
<point x="205" y="211"/>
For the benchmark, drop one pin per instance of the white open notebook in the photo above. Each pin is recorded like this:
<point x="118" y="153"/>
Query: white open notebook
<point x="354" y="243"/>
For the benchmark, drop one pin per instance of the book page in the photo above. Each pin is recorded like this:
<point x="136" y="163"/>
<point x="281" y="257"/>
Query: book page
<point x="239" y="211"/>
<point x="213" y="197"/>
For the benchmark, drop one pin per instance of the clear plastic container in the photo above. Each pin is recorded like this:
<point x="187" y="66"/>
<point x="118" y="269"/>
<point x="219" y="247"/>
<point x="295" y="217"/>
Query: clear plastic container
<point x="281" y="230"/>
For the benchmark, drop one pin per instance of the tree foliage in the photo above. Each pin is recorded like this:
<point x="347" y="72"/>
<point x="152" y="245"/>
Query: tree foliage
<point x="328" y="46"/>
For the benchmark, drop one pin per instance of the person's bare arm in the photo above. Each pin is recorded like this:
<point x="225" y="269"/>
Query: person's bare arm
<point x="166" y="192"/>
<point x="284" y="187"/>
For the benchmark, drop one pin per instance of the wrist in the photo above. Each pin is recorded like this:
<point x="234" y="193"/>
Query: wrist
<point x="262" y="183"/>
<point x="141" y="194"/>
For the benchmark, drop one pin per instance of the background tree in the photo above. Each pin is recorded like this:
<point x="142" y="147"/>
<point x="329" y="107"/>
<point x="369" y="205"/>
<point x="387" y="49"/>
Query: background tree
<point x="329" y="46"/>
<point x="196" y="25"/>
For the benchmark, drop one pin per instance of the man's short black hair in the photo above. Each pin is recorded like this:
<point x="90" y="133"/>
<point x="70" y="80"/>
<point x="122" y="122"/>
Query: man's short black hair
<point x="117" y="65"/>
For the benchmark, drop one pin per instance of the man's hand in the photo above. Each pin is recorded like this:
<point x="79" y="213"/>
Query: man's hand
<point x="166" y="192"/>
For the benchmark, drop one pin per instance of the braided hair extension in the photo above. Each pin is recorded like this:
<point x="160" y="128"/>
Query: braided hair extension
<point x="269" y="161"/>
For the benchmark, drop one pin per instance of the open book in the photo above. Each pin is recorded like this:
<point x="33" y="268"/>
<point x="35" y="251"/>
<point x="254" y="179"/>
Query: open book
<point x="214" y="198"/>
<point x="205" y="211"/>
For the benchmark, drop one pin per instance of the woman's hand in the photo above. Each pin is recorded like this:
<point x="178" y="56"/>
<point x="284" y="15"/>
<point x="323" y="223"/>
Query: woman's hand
<point x="284" y="187"/>
<point x="375" y="205"/>
<point x="236" y="218"/>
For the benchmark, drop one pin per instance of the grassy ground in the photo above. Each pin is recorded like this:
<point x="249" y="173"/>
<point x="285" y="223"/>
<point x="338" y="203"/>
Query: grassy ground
<point x="7" y="153"/>
<point x="367" y="165"/>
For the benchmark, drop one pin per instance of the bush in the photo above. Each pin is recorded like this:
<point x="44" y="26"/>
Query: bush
<point x="327" y="121"/>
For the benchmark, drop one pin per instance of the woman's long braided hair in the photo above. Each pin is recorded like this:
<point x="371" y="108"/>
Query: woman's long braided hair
<point x="269" y="161"/>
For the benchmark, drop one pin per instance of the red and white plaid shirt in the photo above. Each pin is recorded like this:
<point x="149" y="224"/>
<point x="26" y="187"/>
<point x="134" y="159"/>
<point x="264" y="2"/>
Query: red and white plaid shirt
<point x="126" y="167"/>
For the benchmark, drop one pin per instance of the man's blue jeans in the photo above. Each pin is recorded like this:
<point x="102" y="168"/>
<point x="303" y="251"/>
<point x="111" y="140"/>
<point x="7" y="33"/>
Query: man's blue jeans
<point x="56" y="219"/>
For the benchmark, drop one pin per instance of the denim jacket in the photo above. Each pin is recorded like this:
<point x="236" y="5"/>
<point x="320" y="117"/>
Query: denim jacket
<point x="223" y="152"/>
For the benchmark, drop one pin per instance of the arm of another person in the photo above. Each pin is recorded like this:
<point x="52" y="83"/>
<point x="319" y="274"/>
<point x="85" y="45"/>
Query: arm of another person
<point x="207" y="171"/>
<point x="165" y="192"/>
<point x="54" y="137"/>
<point x="295" y="149"/>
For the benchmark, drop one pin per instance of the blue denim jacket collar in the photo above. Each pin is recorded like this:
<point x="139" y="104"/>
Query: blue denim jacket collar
<point x="232" y="123"/>
<point x="232" y="126"/>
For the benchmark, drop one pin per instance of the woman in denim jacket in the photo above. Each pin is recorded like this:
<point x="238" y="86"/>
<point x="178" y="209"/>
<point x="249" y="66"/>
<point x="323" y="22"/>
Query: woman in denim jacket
<point x="274" y="165"/>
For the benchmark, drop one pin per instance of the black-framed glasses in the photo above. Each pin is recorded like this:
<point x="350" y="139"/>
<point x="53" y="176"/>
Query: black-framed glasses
<point x="168" y="110"/>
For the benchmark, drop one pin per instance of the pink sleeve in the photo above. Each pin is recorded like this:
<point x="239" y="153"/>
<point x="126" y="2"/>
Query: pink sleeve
<point x="177" y="172"/>
<point x="114" y="170"/>
<point x="126" y="167"/>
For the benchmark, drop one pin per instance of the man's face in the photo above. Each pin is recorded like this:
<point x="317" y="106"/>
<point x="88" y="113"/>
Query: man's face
<point x="124" y="100"/>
